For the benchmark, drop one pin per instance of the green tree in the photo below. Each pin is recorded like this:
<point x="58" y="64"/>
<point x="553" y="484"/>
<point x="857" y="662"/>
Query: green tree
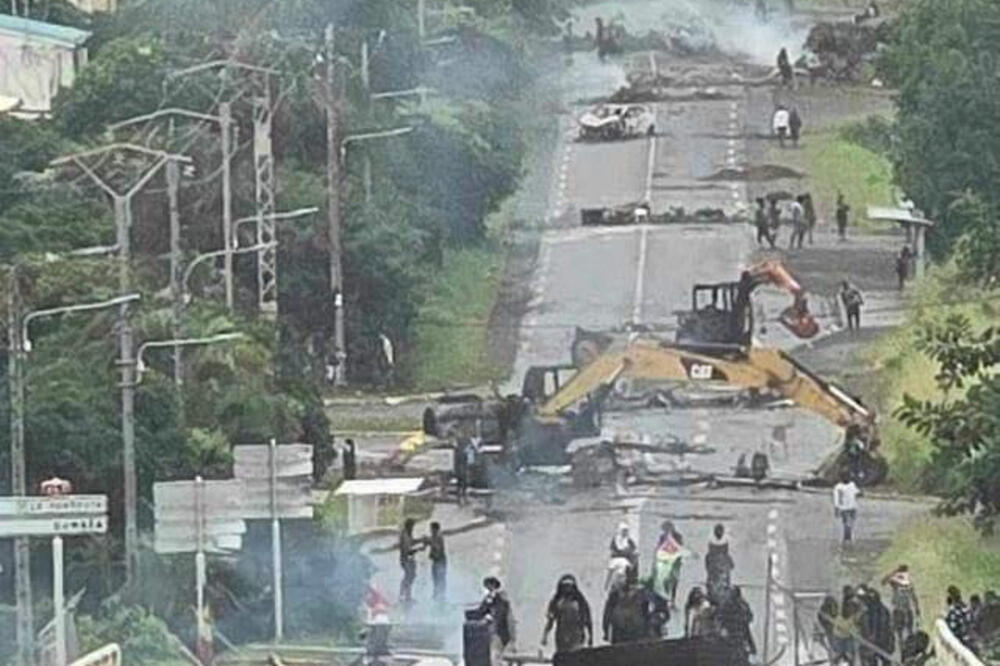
<point x="965" y="424"/>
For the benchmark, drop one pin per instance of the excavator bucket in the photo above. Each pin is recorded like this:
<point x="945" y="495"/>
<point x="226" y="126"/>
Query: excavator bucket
<point x="800" y="322"/>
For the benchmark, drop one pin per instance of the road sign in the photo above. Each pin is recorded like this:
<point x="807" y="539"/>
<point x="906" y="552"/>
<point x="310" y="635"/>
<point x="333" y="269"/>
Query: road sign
<point x="253" y="462"/>
<point x="56" y="504"/>
<point x="293" y="499"/>
<point x="53" y="526"/>
<point x="176" y="500"/>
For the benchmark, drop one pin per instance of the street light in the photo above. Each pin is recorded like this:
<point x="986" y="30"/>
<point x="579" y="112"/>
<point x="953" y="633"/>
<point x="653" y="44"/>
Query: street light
<point x="219" y="253"/>
<point x="189" y="342"/>
<point x="82" y="307"/>
<point x="277" y="217"/>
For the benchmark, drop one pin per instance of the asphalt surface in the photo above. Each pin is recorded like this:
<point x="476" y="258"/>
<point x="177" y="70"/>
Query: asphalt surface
<point x="602" y="277"/>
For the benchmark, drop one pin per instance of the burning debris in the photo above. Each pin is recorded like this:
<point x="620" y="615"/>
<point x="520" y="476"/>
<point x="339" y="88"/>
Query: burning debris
<point x="639" y="213"/>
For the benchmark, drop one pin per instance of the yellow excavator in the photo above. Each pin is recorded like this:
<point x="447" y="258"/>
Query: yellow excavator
<point x="560" y="403"/>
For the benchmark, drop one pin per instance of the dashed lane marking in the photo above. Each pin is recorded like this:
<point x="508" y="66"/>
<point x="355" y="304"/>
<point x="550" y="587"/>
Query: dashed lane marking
<point x="640" y="273"/>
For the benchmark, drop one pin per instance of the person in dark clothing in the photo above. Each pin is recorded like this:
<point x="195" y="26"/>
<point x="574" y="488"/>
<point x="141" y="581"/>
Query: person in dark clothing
<point x="600" y="38"/>
<point x="496" y="607"/>
<point x="774" y="220"/>
<point x="915" y="650"/>
<point x="627" y="612"/>
<point x="842" y="211"/>
<point x="718" y="566"/>
<point x="760" y="222"/>
<point x="699" y="614"/>
<point x="828" y="612"/>
<point x="794" y="125"/>
<point x="461" y="470"/>
<point x="876" y="629"/>
<point x="903" y="265"/>
<point x="958" y="618"/>
<point x="784" y="67"/>
<point x="735" y="618"/>
<point x="852" y="299"/>
<point x="439" y="561"/>
<point x="810" y="214"/>
<point x="349" y="459"/>
<point x="409" y="546"/>
<point x="569" y="613"/>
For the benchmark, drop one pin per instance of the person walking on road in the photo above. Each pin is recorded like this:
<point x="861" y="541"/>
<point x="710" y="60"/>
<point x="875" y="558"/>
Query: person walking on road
<point x="569" y="613"/>
<point x="785" y="67"/>
<point x="409" y="546"/>
<point x="735" y="618"/>
<point x="760" y="222"/>
<point x="798" y="215"/>
<point x="627" y="612"/>
<point x="810" y="214"/>
<point x="905" y="607"/>
<point x="496" y="608"/>
<point x="852" y="299"/>
<point x="718" y="566"/>
<point x="842" y="210"/>
<point x="349" y="460"/>
<point x="439" y="562"/>
<point x="794" y="126"/>
<point x="780" y="124"/>
<point x="623" y="546"/>
<point x="667" y="559"/>
<point x="774" y="220"/>
<point x="845" y="505"/>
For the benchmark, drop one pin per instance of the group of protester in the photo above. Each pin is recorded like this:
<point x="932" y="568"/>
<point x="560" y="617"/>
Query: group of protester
<point x="799" y="215"/>
<point x="976" y="624"/>
<point x="409" y="546"/>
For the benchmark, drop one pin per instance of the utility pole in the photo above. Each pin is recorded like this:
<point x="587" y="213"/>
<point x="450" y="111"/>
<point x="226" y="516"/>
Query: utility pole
<point x="333" y="205"/>
<point x="22" y="553"/>
<point x="226" y="123"/>
<point x="173" y="184"/>
<point x="126" y="342"/>
<point x="263" y="159"/>
<point x="366" y="83"/>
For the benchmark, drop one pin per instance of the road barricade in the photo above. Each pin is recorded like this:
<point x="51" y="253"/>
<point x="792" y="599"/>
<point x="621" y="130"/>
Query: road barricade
<point x="949" y="650"/>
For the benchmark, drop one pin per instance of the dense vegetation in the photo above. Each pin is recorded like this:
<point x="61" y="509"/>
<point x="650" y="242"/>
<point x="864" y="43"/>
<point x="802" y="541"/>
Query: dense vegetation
<point x="432" y="190"/>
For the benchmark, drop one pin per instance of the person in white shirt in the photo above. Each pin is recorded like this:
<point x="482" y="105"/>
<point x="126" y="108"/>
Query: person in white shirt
<point x="845" y="504"/>
<point x="780" y="123"/>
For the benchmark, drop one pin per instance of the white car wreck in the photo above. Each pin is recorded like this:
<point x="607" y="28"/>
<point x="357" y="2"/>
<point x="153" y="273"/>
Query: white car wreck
<point x="609" y="122"/>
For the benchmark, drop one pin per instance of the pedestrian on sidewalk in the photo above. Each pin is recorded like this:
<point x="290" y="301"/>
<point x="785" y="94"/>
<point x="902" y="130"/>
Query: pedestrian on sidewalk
<point x="905" y="607"/>
<point x="903" y="265"/>
<point x="569" y="613"/>
<point x="762" y="225"/>
<point x="496" y="608"/>
<point x="719" y="566"/>
<point x="845" y="505"/>
<point x="852" y="299"/>
<point x="439" y="562"/>
<point x="409" y="546"/>
<point x="842" y="210"/>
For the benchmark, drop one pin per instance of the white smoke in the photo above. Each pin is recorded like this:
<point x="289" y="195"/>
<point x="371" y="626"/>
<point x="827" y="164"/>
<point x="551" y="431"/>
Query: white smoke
<point x="731" y="26"/>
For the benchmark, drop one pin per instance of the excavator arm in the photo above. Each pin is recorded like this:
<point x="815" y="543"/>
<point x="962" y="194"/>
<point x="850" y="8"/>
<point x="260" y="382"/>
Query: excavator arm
<point x="750" y="368"/>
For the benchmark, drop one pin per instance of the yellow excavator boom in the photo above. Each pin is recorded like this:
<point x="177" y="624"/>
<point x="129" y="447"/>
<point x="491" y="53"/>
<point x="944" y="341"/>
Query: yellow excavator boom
<point x="749" y="368"/>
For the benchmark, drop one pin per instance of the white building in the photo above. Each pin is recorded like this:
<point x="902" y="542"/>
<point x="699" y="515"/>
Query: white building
<point x="36" y="60"/>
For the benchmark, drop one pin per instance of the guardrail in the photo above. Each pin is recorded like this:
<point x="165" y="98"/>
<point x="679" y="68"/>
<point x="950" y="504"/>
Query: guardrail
<point x="949" y="650"/>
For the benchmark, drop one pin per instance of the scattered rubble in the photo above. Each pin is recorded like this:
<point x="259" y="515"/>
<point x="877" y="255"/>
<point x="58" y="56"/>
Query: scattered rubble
<point x="842" y="48"/>
<point x="760" y="173"/>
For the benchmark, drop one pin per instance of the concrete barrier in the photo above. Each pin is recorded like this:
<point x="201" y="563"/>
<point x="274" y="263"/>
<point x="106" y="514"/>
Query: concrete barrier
<point x="949" y="650"/>
<point x="109" y="655"/>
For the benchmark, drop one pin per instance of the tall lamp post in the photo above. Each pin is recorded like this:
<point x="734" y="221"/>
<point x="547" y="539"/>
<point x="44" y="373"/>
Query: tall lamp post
<point x="18" y="346"/>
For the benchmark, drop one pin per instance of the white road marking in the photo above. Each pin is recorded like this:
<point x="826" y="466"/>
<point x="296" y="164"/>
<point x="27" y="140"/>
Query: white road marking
<point x="699" y="439"/>
<point x="702" y="424"/>
<point x="772" y="529"/>
<point x="650" y="166"/>
<point x="772" y="514"/>
<point x="640" y="273"/>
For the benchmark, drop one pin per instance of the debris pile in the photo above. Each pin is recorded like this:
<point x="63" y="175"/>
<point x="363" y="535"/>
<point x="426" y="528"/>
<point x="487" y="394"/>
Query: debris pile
<point x="842" y="47"/>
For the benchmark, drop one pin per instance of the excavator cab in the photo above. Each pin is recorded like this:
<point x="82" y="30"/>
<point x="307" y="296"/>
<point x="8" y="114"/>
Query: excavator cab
<point x="720" y="314"/>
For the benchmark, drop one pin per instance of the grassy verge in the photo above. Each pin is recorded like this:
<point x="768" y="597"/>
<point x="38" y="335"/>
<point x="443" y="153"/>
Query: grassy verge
<point x="451" y="329"/>
<point x="863" y="176"/>
<point x="943" y="552"/>
<point x="904" y="370"/>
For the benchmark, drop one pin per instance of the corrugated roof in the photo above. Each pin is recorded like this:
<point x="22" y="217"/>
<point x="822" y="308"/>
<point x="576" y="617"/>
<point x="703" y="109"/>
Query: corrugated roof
<point x="398" y="486"/>
<point x="49" y="32"/>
